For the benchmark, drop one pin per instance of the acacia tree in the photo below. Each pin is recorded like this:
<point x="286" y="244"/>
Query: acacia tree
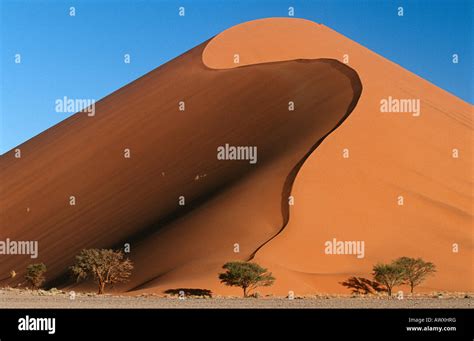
<point x="415" y="270"/>
<point x="246" y="275"/>
<point x="105" y="266"/>
<point x="35" y="274"/>
<point x="389" y="275"/>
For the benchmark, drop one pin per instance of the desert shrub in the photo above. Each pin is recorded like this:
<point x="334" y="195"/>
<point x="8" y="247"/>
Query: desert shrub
<point x="255" y="295"/>
<point x="35" y="274"/>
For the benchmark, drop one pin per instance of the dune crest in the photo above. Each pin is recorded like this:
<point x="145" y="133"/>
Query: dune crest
<point x="263" y="41"/>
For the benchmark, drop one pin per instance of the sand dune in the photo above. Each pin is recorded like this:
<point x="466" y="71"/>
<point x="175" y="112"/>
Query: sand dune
<point x="390" y="155"/>
<point x="173" y="154"/>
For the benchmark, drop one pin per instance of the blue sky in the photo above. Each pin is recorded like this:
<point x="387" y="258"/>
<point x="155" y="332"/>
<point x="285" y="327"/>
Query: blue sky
<point x="82" y="56"/>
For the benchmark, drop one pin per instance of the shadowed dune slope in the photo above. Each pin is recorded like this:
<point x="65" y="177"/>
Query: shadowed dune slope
<point x="390" y="155"/>
<point x="173" y="153"/>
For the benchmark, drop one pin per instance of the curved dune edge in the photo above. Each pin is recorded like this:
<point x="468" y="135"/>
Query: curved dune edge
<point x="263" y="41"/>
<point x="264" y="190"/>
<point x="199" y="271"/>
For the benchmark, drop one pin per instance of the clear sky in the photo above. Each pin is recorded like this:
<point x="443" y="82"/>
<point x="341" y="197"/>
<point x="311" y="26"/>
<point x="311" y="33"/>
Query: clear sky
<point x="82" y="56"/>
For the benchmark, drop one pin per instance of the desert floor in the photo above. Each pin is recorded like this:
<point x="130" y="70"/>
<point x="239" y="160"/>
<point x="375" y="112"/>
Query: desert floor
<point x="11" y="298"/>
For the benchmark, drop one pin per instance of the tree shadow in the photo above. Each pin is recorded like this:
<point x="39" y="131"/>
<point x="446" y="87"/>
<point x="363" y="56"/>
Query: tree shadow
<point x="360" y="285"/>
<point x="189" y="292"/>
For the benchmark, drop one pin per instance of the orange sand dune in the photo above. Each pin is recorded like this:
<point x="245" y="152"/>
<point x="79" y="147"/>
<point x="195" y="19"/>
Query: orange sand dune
<point x="390" y="155"/>
<point x="173" y="154"/>
<point x="227" y="202"/>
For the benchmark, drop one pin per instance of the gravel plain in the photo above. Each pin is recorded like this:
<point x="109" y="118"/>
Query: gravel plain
<point x="13" y="298"/>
